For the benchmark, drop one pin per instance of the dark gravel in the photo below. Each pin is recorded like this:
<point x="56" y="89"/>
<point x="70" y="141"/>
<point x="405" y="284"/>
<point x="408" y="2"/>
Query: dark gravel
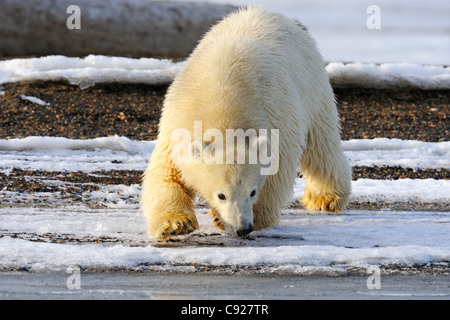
<point x="395" y="173"/>
<point x="133" y="111"/>
<point x="408" y="114"/>
<point x="76" y="187"/>
<point x="38" y="181"/>
<point x="99" y="111"/>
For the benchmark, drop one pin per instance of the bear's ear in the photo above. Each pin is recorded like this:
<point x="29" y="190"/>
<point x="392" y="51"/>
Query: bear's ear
<point x="263" y="141"/>
<point x="269" y="152"/>
<point x="261" y="144"/>
<point x="256" y="145"/>
<point x="196" y="151"/>
<point x="188" y="152"/>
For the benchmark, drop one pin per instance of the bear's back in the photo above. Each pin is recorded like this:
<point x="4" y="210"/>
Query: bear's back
<point x="254" y="69"/>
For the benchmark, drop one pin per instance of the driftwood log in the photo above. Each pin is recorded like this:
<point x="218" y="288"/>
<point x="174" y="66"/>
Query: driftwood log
<point x="136" y="28"/>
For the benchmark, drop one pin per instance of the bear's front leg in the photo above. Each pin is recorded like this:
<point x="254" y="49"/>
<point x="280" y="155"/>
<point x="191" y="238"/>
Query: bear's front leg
<point x="166" y="201"/>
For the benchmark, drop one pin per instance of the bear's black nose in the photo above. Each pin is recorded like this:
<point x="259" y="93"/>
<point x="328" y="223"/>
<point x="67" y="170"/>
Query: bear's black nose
<point x="244" y="231"/>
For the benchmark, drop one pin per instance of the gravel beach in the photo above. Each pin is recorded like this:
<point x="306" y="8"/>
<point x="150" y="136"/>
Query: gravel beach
<point x="134" y="110"/>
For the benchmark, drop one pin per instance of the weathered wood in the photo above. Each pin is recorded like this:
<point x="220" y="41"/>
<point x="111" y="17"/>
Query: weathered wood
<point x="115" y="27"/>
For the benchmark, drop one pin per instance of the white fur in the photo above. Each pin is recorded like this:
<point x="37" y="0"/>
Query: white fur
<point x="259" y="70"/>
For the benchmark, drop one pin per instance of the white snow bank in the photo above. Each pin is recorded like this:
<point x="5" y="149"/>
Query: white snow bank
<point x="302" y="242"/>
<point x="401" y="190"/>
<point x="114" y="143"/>
<point x="102" y="69"/>
<point x="395" y="152"/>
<point x="62" y="154"/>
<point x="39" y="256"/>
<point x="90" y="70"/>
<point x="389" y="75"/>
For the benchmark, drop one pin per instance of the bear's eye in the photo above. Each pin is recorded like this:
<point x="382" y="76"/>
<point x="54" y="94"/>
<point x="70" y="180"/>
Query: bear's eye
<point x="221" y="196"/>
<point x="253" y="193"/>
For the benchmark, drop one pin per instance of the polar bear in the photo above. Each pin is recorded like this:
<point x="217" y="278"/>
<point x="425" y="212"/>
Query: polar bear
<point x="257" y="72"/>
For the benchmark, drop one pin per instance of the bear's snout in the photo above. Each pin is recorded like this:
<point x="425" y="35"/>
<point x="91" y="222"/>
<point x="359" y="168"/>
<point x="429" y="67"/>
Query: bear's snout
<point x="244" y="231"/>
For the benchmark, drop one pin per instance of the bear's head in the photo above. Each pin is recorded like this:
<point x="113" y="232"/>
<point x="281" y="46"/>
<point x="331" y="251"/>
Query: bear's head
<point x="229" y="183"/>
<point x="231" y="190"/>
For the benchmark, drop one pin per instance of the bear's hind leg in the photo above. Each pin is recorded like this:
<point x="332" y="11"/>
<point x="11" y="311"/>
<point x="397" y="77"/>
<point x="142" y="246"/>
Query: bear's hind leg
<point x="326" y="171"/>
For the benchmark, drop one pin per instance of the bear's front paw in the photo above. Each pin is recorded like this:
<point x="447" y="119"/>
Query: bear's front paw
<point x="323" y="201"/>
<point x="172" y="224"/>
<point x="217" y="221"/>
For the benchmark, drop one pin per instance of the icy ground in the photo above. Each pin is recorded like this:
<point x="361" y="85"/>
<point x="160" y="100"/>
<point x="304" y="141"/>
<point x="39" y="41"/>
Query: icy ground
<point x="303" y="243"/>
<point x="111" y="235"/>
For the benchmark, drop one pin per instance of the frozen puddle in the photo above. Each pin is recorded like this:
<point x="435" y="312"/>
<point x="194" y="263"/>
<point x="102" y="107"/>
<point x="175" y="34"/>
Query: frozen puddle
<point x="52" y="239"/>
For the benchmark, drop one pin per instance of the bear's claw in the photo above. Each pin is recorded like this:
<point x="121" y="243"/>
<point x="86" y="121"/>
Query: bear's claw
<point x="217" y="221"/>
<point x="324" y="202"/>
<point x="174" y="225"/>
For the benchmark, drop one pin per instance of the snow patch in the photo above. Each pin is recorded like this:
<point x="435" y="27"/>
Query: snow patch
<point x="108" y="153"/>
<point x="90" y="70"/>
<point x="38" y="256"/>
<point x="114" y="143"/>
<point x="396" y="152"/>
<point x="94" y="69"/>
<point x="389" y="75"/>
<point x="62" y="154"/>
<point x="390" y="191"/>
